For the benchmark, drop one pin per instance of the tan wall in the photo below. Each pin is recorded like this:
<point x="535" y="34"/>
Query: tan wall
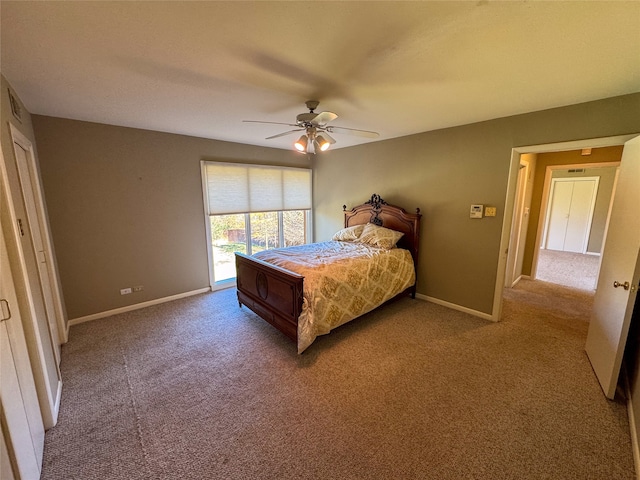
<point x="573" y="157"/>
<point x="126" y="205"/>
<point x="443" y="172"/>
<point x="126" y="208"/>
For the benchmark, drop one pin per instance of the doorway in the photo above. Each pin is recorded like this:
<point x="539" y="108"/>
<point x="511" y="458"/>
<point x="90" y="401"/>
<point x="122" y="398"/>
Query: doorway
<point x="567" y="204"/>
<point x="574" y="212"/>
<point x="536" y="198"/>
<point x="573" y="216"/>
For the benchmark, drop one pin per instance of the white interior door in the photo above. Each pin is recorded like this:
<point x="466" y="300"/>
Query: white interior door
<point x="570" y="214"/>
<point x="6" y="469"/>
<point x="518" y="233"/>
<point x="35" y="215"/>
<point x="580" y="216"/>
<point x="25" y="455"/>
<point x="20" y="408"/>
<point x="40" y="345"/>
<point x="619" y="275"/>
<point x="559" y="207"/>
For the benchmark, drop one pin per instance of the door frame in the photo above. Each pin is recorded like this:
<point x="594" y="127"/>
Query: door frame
<point x="510" y="201"/>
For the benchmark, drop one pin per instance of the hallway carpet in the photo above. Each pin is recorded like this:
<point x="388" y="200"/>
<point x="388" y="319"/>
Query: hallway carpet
<point x="570" y="269"/>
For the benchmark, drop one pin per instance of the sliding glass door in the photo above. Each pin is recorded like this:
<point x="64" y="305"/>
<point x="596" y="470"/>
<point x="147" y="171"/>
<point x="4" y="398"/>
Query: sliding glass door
<point x="249" y="233"/>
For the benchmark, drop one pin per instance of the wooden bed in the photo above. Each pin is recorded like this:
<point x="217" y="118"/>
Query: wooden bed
<point x="276" y="294"/>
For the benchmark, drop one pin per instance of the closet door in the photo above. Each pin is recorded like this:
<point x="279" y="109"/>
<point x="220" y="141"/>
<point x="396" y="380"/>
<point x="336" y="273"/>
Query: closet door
<point x="23" y="429"/>
<point x="42" y="339"/>
<point x="559" y="208"/>
<point x="570" y="213"/>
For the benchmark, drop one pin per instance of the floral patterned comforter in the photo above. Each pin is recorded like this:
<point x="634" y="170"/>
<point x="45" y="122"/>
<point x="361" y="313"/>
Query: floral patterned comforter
<point x="343" y="280"/>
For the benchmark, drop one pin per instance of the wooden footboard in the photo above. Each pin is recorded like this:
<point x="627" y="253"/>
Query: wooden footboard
<point x="273" y="293"/>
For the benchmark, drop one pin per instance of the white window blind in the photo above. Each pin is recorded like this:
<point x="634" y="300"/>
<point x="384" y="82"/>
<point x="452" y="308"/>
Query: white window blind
<point x="239" y="188"/>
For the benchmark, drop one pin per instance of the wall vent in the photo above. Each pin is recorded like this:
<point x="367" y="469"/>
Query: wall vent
<point x="576" y="170"/>
<point x="15" y="106"/>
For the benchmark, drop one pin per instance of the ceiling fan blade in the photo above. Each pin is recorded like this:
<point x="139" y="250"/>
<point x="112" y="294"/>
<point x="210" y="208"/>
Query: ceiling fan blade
<point x="329" y="138"/>
<point x="284" y="133"/>
<point x="274" y="123"/>
<point x="323" y="118"/>
<point x="352" y="131"/>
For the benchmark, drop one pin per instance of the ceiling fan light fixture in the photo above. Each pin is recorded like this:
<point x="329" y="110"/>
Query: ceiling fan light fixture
<point x="322" y="143"/>
<point x="301" y="144"/>
<point x="313" y="123"/>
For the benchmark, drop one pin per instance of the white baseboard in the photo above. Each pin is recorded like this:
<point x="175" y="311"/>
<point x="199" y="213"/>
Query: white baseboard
<point x="517" y="280"/>
<point x="136" y="306"/>
<point x="453" y="306"/>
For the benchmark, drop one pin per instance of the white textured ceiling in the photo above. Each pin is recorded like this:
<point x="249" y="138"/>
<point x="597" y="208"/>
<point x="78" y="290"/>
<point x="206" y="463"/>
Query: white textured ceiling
<point x="398" y="68"/>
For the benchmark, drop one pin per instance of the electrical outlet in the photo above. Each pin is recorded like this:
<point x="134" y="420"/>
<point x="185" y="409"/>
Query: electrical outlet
<point x="125" y="291"/>
<point x="138" y="288"/>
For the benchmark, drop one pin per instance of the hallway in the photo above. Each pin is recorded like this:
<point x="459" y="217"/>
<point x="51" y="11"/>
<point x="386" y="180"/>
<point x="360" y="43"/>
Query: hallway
<point x="570" y="269"/>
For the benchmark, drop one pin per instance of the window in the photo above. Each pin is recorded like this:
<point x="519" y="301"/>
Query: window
<point x="253" y="208"/>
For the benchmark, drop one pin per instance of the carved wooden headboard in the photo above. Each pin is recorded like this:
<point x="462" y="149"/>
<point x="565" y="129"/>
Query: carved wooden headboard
<point x="379" y="212"/>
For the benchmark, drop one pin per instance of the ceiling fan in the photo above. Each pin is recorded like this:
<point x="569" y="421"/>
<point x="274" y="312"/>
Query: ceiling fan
<point x="316" y="136"/>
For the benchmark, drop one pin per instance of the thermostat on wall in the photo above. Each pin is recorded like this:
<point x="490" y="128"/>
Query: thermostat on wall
<point x="476" y="211"/>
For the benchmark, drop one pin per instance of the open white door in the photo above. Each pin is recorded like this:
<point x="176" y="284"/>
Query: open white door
<point x="22" y="427"/>
<point x="619" y="275"/>
<point x="518" y="228"/>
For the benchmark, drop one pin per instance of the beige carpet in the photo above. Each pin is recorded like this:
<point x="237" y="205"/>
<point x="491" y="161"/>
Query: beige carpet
<point x="570" y="269"/>
<point x="200" y="389"/>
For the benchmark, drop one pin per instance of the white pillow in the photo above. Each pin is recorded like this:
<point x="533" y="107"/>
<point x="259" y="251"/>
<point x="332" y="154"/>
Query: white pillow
<point x="379" y="236"/>
<point x="349" y="234"/>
